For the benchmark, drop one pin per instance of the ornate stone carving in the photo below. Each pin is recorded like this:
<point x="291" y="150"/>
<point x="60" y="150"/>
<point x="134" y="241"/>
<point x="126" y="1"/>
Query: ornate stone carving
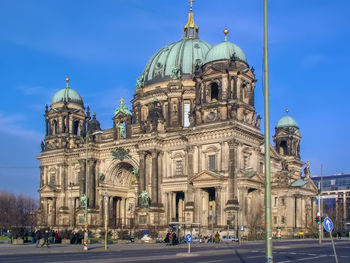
<point x="120" y="154"/>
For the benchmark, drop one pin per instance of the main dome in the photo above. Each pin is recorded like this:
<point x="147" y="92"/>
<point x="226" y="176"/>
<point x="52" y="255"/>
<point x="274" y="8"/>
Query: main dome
<point x="67" y="95"/>
<point x="287" y="121"/>
<point x="182" y="55"/>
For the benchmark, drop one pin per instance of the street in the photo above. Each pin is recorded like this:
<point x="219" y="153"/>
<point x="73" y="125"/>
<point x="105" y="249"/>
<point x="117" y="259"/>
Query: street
<point x="249" y="252"/>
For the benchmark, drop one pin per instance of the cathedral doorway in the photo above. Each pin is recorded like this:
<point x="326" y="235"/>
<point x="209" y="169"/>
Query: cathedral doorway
<point x="214" y="92"/>
<point x="208" y="207"/>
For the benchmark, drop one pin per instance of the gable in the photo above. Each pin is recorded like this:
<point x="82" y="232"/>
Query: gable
<point x="206" y="175"/>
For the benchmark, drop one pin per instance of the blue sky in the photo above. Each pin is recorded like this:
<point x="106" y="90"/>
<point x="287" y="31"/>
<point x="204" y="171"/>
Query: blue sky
<point x="104" y="46"/>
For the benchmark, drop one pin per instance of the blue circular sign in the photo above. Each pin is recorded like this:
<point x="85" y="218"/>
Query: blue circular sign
<point x="328" y="224"/>
<point x="188" y="238"/>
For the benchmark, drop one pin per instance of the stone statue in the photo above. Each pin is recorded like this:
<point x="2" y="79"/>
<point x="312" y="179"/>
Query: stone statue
<point x="307" y="171"/>
<point x="83" y="200"/>
<point x="257" y="123"/>
<point x="139" y="82"/>
<point x="43" y="146"/>
<point x="175" y="73"/>
<point x="144" y="199"/>
<point x="101" y="177"/>
<point x="121" y="130"/>
<point x="135" y="177"/>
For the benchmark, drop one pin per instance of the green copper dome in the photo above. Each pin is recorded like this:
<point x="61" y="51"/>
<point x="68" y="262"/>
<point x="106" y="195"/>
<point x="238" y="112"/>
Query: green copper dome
<point x="287" y="121"/>
<point x="67" y="95"/>
<point x="175" y="61"/>
<point x="225" y="50"/>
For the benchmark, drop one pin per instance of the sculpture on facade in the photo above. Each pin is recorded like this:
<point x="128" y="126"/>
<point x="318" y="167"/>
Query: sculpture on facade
<point x="83" y="200"/>
<point x="307" y="171"/>
<point x="144" y="199"/>
<point x="175" y="73"/>
<point x="121" y="131"/>
<point x="120" y="154"/>
<point x="101" y="177"/>
<point x="139" y="82"/>
<point x="135" y="172"/>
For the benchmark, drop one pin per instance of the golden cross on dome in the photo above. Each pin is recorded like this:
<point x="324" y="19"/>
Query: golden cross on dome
<point x="191" y="1"/>
<point x="287" y="111"/>
<point x="122" y="100"/>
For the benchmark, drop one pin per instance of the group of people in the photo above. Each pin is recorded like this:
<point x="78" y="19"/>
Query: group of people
<point x="53" y="237"/>
<point x="171" y="238"/>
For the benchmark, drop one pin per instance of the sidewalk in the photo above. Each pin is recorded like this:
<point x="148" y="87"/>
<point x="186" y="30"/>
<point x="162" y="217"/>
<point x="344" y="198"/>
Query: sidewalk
<point x="8" y="249"/>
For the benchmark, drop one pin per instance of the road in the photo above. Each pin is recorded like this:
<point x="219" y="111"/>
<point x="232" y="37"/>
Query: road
<point x="249" y="252"/>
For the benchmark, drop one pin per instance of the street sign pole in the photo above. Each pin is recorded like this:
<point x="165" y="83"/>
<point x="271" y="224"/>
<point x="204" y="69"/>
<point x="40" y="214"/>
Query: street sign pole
<point x="188" y="240"/>
<point x="328" y="226"/>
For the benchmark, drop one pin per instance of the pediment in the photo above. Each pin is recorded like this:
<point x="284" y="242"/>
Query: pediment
<point x="47" y="189"/>
<point x="206" y="175"/>
<point x="252" y="175"/>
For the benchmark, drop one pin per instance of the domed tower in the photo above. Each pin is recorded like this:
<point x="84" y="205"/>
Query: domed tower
<point x="225" y="86"/>
<point x="65" y="119"/>
<point x="287" y="137"/>
<point x="168" y="76"/>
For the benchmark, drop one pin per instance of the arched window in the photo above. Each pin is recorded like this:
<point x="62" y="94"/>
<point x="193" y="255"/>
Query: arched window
<point x="76" y="127"/>
<point x="64" y="120"/>
<point x="214" y="92"/>
<point x="283" y="148"/>
<point x="54" y="127"/>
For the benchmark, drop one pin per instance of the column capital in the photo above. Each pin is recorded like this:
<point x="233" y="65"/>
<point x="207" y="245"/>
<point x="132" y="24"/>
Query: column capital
<point x="233" y="143"/>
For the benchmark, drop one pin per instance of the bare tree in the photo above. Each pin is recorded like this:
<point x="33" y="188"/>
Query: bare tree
<point x="16" y="211"/>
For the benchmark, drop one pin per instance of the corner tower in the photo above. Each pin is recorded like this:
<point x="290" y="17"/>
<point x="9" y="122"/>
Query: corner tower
<point x="287" y="137"/>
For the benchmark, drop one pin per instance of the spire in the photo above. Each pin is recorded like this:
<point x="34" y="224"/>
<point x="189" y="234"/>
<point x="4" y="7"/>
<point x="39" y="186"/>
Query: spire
<point x="190" y="29"/>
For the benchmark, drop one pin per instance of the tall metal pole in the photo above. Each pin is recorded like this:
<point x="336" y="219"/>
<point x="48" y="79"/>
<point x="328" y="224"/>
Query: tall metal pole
<point x="321" y="200"/>
<point x="319" y="214"/>
<point x="268" y="217"/>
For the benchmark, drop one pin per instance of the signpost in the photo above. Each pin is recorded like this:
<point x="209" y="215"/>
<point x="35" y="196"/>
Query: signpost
<point x="188" y="240"/>
<point x="328" y="226"/>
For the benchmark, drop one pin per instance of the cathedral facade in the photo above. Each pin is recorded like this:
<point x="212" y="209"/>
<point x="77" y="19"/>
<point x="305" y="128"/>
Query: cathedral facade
<point x="189" y="150"/>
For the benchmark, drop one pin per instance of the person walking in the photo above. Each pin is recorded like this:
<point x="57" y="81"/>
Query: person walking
<point x="46" y="239"/>
<point x="37" y="238"/>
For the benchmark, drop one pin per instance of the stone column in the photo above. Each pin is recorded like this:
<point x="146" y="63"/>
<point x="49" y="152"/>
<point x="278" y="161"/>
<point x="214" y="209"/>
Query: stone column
<point x="154" y="178"/>
<point x="91" y="183"/>
<point x="232" y="198"/>
<point x="54" y="211"/>
<point x="142" y="171"/>
<point x="173" y="205"/>
<point x="160" y="172"/>
<point x="197" y="207"/>
<point x="168" y="119"/>
<point x="295" y="211"/>
<point x="218" y="198"/>
<point x="168" y="209"/>
<point x="122" y="211"/>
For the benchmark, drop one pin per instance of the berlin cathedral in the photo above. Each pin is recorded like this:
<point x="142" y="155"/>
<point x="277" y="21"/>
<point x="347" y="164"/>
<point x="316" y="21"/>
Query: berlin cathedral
<point x="190" y="150"/>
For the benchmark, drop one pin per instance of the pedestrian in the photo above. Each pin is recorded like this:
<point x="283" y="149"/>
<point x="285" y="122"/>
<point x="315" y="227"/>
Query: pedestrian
<point x="46" y="239"/>
<point x="37" y="238"/>
<point x="217" y="237"/>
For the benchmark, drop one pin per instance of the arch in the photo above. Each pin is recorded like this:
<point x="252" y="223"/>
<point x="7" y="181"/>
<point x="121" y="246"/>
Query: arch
<point x="283" y="148"/>
<point x="214" y="92"/>
<point x="113" y="169"/>
<point x="64" y="124"/>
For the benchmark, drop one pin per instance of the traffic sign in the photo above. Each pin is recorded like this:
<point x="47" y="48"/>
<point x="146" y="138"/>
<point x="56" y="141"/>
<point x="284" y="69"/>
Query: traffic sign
<point x="328" y="224"/>
<point x="188" y="238"/>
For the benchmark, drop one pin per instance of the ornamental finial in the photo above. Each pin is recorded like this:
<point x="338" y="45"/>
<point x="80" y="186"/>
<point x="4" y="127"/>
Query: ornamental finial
<point x="191" y="1"/>
<point x="122" y="101"/>
<point x="190" y="30"/>
<point x="67" y="81"/>
<point x="287" y="111"/>
<point x="226" y="32"/>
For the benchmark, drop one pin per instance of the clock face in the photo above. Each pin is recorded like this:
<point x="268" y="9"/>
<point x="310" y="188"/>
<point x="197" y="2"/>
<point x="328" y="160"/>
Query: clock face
<point x="211" y="115"/>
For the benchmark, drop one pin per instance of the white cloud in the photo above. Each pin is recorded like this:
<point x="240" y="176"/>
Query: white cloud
<point x="13" y="125"/>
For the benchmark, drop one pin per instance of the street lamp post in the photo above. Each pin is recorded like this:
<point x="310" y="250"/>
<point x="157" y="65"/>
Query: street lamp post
<point x="86" y="234"/>
<point x="106" y="218"/>
<point x="268" y="217"/>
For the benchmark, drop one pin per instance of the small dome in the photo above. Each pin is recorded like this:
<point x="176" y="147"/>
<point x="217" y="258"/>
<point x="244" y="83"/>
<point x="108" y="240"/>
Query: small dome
<point x="225" y="50"/>
<point x="67" y="95"/>
<point x="181" y="57"/>
<point x="287" y="121"/>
